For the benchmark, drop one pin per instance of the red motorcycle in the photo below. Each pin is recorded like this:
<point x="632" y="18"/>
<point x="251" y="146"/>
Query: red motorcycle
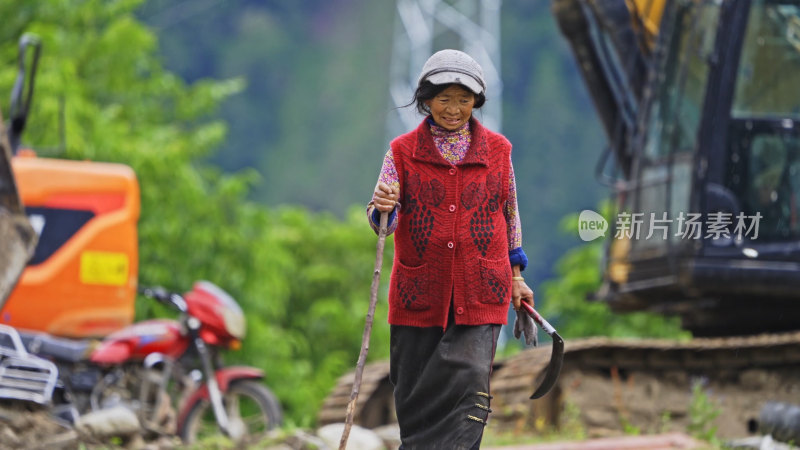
<point x="157" y="367"/>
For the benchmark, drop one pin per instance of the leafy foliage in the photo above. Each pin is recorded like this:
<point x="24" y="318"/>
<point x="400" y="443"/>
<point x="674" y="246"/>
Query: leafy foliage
<point x="317" y="94"/>
<point x="702" y="412"/>
<point x="578" y="276"/>
<point x="302" y="278"/>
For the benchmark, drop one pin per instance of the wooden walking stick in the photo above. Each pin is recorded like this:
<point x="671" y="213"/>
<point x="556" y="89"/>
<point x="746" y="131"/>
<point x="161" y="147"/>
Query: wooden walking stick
<point x="362" y="357"/>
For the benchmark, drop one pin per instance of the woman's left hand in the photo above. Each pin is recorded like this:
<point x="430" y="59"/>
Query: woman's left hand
<point x="521" y="292"/>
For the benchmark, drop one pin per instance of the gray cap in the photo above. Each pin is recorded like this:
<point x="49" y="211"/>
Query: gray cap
<point x="453" y="66"/>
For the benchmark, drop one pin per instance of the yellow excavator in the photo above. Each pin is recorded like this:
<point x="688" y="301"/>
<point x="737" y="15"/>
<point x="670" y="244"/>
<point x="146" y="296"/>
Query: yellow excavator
<point x="700" y="105"/>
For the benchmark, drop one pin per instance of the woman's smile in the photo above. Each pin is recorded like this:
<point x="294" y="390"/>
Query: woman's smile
<point x="452" y="107"/>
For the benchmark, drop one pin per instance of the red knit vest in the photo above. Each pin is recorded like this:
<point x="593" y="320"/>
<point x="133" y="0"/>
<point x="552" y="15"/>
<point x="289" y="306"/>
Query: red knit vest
<point x="451" y="239"/>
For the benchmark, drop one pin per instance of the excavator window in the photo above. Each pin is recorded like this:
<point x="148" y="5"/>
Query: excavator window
<point x="769" y="67"/>
<point x="765" y="174"/>
<point x="674" y="115"/>
<point x="764" y="166"/>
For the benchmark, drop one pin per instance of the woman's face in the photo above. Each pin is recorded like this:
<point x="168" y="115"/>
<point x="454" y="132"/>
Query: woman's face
<point x="452" y="107"/>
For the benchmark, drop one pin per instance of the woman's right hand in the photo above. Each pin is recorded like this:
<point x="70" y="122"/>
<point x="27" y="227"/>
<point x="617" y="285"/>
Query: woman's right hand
<point x="385" y="197"/>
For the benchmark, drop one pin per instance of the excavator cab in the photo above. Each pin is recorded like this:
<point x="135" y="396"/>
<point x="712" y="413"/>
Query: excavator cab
<point x="703" y="120"/>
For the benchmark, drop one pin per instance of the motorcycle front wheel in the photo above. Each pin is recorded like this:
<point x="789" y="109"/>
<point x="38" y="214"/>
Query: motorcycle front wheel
<point x="252" y="411"/>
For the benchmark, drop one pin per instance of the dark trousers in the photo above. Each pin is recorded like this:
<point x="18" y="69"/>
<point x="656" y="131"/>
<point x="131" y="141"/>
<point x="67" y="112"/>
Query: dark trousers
<point x="441" y="384"/>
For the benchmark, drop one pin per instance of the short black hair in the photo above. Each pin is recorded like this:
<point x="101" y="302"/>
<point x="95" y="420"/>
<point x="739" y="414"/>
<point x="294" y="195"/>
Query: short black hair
<point x="427" y="91"/>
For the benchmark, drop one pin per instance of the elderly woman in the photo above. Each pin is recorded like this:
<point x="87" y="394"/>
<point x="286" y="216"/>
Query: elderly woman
<point x="448" y="187"/>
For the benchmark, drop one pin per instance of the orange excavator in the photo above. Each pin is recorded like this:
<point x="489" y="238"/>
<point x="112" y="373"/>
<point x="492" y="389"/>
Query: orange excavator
<point x="67" y="232"/>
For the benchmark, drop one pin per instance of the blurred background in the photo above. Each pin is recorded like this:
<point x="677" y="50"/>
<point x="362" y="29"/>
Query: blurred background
<point x="256" y="130"/>
<point x="311" y="118"/>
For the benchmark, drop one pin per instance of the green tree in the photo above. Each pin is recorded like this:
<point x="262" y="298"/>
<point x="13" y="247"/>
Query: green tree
<point x="578" y="275"/>
<point x="317" y="94"/>
<point x="301" y="278"/>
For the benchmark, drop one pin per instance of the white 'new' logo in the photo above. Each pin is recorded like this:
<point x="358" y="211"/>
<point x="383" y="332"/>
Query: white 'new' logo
<point x="591" y="225"/>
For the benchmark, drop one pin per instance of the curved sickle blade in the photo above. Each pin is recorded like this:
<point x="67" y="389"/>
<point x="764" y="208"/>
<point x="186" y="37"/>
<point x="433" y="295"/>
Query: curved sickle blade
<point x="556" y="357"/>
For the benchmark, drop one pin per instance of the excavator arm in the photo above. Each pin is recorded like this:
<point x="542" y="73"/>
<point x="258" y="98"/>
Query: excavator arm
<point x="612" y="41"/>
<point x="17" y="237"/>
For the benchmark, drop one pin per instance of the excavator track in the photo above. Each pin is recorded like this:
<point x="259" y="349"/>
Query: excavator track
<point x="610" y="386"/>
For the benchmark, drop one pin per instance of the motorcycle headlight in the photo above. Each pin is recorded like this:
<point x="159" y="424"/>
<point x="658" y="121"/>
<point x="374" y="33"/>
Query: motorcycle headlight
<point x="231" y="313"/>
<point x="235" y="324"/>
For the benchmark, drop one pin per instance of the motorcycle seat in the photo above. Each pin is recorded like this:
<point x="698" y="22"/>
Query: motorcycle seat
<point x="58" y="348"/>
